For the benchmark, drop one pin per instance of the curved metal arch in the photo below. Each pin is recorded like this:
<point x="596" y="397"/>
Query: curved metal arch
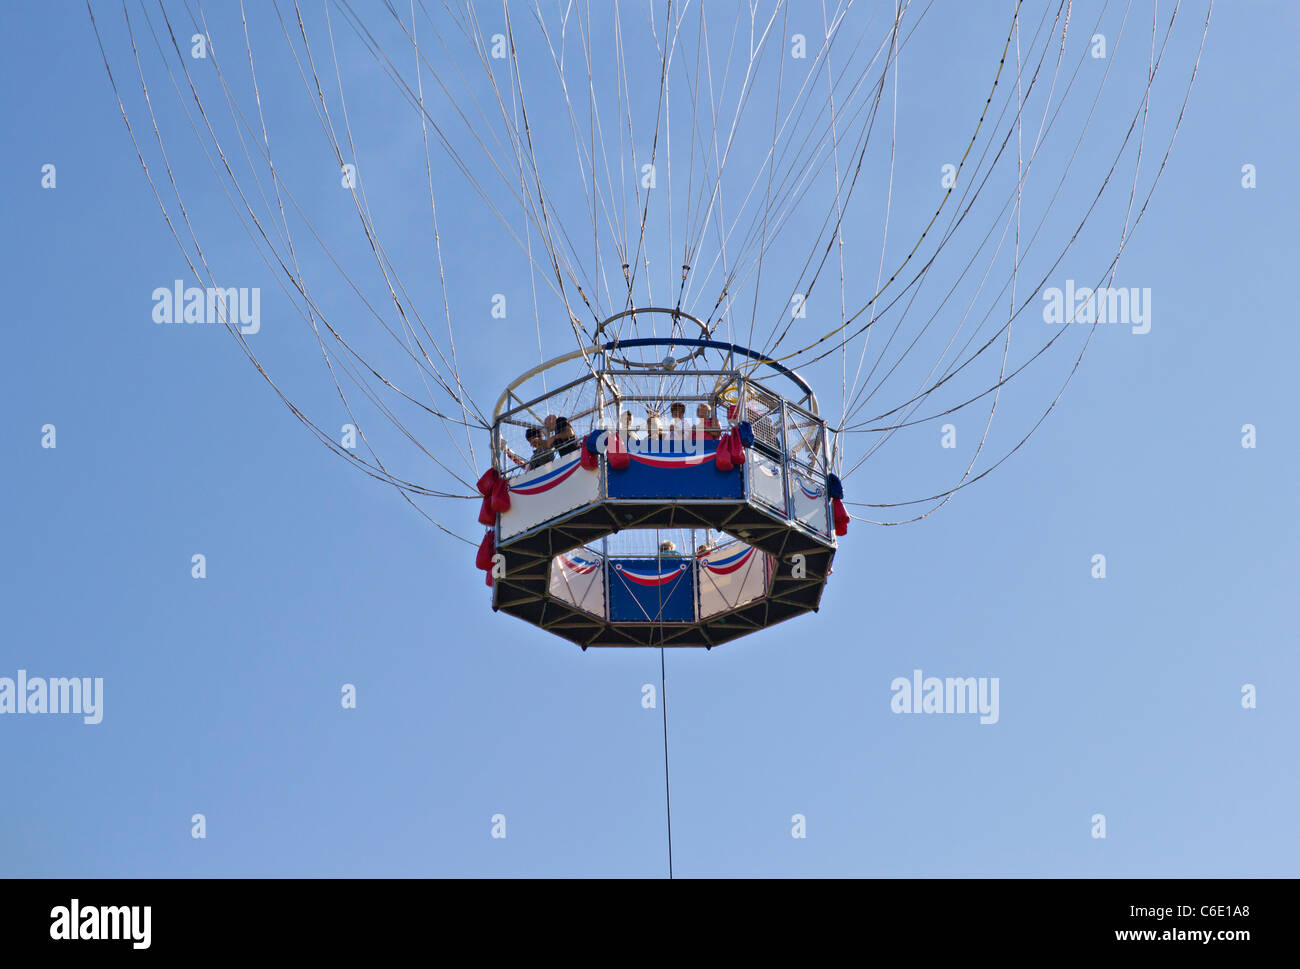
<point x="730" y="348"/>
<point x="648" y="310"/>
<point x="702" y="344"/>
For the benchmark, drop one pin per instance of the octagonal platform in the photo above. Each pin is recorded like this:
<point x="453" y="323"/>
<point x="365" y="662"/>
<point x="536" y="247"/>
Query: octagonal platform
<point x="577" y="551"/>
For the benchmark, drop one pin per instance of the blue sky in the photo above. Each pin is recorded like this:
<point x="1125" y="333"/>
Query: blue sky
<point x="1119" y="696"/>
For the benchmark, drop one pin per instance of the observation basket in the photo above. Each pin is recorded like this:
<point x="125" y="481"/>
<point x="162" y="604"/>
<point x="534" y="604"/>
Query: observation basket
<point x="668" y="501"/>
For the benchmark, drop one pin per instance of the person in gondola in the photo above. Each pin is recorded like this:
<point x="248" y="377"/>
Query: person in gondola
<point x="564" y="441"/>
<point x="707" y="428"/>
<point x="541" y="451"/>
<point x="677" y="429"/>
<point x="627" y="430"/>
<point x="653" y="429"/>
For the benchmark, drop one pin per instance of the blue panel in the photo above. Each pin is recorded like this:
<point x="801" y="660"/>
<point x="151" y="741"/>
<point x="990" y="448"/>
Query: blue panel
<point x="671" y="474"/>
<point x="652" y="589"/>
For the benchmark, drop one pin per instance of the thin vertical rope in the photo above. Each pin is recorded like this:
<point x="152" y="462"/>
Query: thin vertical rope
<point x="663" y="700"/>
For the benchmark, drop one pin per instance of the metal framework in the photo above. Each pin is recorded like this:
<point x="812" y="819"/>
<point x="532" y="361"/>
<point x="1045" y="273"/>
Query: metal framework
<point x="756" y="504"/>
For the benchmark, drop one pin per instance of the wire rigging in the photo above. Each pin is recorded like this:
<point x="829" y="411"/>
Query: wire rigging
<point x="788" y="159"/>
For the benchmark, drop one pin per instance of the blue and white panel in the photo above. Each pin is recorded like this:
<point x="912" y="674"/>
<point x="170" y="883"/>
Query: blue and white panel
<point x="766" y="480"/>
<point x="578" y="578"/>
<point x="547" y="492"/>
<point x="672" y="473"/>
<point x="808" y="499"/>
<point x="730" y="577"/>
<point x="651" y="590"/>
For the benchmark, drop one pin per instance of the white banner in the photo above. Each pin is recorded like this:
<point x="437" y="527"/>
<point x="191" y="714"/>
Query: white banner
<point x="808" y="499"/>
<point x="578" y="578"/>
<point x="766" y="479"/>
<point x="547" y="492"/>
<point x="731" y="576"/>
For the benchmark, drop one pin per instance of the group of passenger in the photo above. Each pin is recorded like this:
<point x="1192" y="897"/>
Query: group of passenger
<point x="668" y="549"/>
<point x="678" y="429"/>
<point x="556" y="437"/>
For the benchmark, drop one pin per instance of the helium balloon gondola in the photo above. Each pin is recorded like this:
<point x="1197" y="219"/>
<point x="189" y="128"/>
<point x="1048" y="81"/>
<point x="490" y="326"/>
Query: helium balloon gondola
<point x="585" y="523"/>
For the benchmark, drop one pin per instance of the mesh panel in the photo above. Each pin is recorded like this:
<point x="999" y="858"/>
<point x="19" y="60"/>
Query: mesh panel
<point x="763" y="411"/>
